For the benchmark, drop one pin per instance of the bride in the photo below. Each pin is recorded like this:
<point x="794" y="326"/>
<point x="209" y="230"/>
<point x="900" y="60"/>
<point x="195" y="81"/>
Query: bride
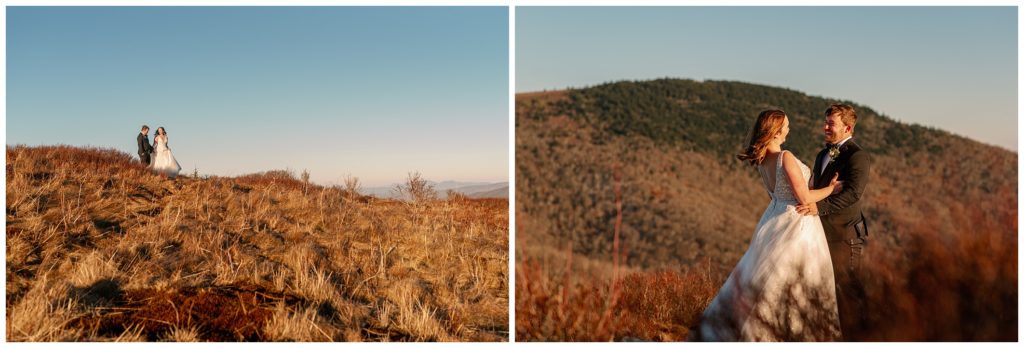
<point x="782" y="289"/>
<point x="163" y="160"/>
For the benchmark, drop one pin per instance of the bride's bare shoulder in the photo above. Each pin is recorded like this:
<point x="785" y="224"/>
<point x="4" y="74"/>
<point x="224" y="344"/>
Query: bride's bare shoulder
<point x="788" y="159"/>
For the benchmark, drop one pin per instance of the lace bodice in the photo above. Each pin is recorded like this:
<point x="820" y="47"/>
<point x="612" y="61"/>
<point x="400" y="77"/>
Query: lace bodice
<point x="160" y="143"/>
<point x="783" y="190"/>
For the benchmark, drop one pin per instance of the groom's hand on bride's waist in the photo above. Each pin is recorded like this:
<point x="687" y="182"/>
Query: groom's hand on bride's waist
<point x="807" y="209"/>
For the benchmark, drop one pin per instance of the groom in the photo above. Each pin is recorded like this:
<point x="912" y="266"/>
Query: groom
<point x="842" y="216"/>
<point x="144" y="147"/>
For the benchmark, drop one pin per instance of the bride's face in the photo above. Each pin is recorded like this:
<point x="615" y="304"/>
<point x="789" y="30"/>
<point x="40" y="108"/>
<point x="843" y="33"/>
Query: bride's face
<point x="784" y="132"/>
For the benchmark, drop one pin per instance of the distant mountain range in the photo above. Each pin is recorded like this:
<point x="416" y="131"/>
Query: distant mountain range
<point x="671" y="144"/>
<point x="470" y="189"/>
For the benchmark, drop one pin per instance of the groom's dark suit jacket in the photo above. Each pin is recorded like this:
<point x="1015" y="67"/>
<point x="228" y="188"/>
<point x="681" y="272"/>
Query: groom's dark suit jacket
<point x="841" y="214"/>
<point x="144" y="146"/>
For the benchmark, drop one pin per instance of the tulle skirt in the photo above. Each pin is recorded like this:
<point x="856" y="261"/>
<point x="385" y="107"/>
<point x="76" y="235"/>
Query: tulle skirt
<point x="782" y="289"/>
<point x="164" y="163"/>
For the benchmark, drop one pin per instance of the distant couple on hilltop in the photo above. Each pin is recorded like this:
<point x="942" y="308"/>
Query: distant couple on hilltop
<point x="800" y="278"/>
<point x="157" y="157"/>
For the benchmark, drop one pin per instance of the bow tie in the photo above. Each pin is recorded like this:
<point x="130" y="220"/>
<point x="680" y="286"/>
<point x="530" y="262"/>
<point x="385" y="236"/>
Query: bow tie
<point x="831" y="146"/>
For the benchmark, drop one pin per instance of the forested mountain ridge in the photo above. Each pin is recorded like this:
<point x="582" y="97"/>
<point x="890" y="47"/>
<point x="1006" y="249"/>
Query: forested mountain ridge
<point x="673" y="142"/>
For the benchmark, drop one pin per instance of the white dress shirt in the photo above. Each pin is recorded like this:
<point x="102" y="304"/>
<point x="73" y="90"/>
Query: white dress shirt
<point x="827" y="158"/>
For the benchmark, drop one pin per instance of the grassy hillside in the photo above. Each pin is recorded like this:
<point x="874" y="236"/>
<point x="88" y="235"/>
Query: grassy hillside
<point x="938" y="204"/>
<point x="98" y="249"/>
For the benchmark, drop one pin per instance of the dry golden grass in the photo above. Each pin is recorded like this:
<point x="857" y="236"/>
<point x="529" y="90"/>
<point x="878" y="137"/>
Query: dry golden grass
<point x="963" y="288"/>
<point x="100" y="250"/>
<point x="570" y="305"/>
<point x="597" y="300"/>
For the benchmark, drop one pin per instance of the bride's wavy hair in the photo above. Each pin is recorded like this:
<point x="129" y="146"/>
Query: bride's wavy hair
<point x="769" y="123"/>
<point x="161" y="130"/>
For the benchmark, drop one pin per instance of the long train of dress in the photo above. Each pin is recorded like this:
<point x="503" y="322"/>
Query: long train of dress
<point x="163" y="159"/>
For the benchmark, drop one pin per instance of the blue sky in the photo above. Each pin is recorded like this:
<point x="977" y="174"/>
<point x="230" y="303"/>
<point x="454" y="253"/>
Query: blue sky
<point x="375" y="92"/>
<point x="954" y="68"/>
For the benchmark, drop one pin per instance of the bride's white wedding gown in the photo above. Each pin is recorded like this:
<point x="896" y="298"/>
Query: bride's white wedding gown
<point x="782" y="289"/>
<point x="163" y="159"/>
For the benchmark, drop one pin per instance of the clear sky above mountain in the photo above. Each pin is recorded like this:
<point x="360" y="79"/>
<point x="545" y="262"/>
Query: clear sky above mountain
<point x="954" y="68"/>
<point x="375" y="92"/>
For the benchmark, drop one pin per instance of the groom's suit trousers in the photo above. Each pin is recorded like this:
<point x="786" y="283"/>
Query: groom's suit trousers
<point x="847" y="257"/>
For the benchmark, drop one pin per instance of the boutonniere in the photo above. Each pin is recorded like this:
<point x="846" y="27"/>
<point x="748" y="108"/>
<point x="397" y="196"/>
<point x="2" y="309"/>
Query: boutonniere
<point x="832" y="154"/>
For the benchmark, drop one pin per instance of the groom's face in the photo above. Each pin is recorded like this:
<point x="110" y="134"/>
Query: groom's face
<point x="835" y="129"/>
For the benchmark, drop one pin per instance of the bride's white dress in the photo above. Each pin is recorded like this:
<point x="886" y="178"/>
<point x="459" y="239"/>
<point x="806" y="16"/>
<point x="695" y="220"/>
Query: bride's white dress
<point x="782" y="289"/>
<point x="163" y="159"/>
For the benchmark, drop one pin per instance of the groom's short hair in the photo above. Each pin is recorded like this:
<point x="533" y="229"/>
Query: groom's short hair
<point x="145" y="127"/>
<point x="845" y="113"/>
